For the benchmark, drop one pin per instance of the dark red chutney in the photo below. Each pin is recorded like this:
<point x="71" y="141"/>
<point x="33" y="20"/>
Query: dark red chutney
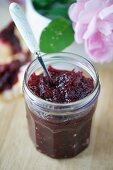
<point x="55" y="135"/>
<point x="7" y="36"/>
<point x="68" y="86"/>
<point x="9" y="73"/>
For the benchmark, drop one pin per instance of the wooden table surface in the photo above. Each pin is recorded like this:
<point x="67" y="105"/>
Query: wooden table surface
<point x="17" y="151"/>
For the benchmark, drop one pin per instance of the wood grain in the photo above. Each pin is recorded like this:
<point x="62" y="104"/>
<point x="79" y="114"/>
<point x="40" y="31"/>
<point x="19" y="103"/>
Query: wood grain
<point x="17" y="151"/>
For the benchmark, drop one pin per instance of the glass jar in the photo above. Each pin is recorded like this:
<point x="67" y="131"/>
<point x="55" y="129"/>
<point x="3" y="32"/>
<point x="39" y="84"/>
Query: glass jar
<point x="61" y="130"/>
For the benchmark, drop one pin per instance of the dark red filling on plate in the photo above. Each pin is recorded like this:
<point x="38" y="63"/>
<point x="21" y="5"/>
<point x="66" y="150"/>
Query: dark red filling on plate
<point x="9" y="74"/>
<point x="7" y="36"/>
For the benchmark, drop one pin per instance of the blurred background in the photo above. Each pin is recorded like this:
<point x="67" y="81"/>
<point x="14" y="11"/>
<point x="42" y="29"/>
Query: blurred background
<point x="4" y="12"/>
<point x="5" y="20"/>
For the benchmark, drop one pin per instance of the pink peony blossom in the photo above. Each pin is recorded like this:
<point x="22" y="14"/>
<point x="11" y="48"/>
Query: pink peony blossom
<point x="93" y="26"/>
<point x="18" y="1"/>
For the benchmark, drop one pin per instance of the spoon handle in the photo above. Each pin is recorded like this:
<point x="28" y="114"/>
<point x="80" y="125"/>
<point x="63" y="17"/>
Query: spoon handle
<point x="23" y="26"/>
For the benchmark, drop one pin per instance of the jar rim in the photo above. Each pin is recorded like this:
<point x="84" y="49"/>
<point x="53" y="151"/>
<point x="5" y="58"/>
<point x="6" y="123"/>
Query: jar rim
<point x="56" y="106"/>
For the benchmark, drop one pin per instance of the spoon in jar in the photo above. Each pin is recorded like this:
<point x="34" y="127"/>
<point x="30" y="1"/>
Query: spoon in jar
<point x="25" y="30"/>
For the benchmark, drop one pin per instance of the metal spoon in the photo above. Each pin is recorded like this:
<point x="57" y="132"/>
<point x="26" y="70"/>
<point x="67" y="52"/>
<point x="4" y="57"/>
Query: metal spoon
<point x="25" y="30"/>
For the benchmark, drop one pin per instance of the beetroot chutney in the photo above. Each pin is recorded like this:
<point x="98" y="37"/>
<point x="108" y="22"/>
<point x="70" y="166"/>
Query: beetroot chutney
<point x="60" y="114"/>
<point x="68" y="86"/>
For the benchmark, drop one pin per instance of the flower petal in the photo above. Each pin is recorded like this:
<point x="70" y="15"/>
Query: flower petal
<point x="91" y="28"/>
<point x="105" y="27"/>
<point x="80" y="30"/>
<point x="106" y="12"/>
<point x="75" y="9"/>
<point x="90" y="10"/>
<point x="108" y="2"/>
<point x="99" y="48"/>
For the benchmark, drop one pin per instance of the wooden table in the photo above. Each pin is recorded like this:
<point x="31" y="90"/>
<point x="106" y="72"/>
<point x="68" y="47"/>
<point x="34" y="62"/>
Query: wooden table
<point x="17" y="151"/>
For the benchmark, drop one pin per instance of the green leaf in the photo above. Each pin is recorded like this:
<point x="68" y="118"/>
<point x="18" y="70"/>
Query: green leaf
<point x="57" y="10"/>
<point x="56" y="36"/>
<point x="52" y="8"/>
<point x="41" y="3"/>
<point x="66" y="1"/>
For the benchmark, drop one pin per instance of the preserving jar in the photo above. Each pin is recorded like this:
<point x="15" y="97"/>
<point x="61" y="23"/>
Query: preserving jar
<point x="61" y="130"/>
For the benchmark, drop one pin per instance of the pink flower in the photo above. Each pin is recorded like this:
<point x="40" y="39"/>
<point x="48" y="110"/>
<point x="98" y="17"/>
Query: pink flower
<point x="18" y="1"/>
<point x="93" y="26"/>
